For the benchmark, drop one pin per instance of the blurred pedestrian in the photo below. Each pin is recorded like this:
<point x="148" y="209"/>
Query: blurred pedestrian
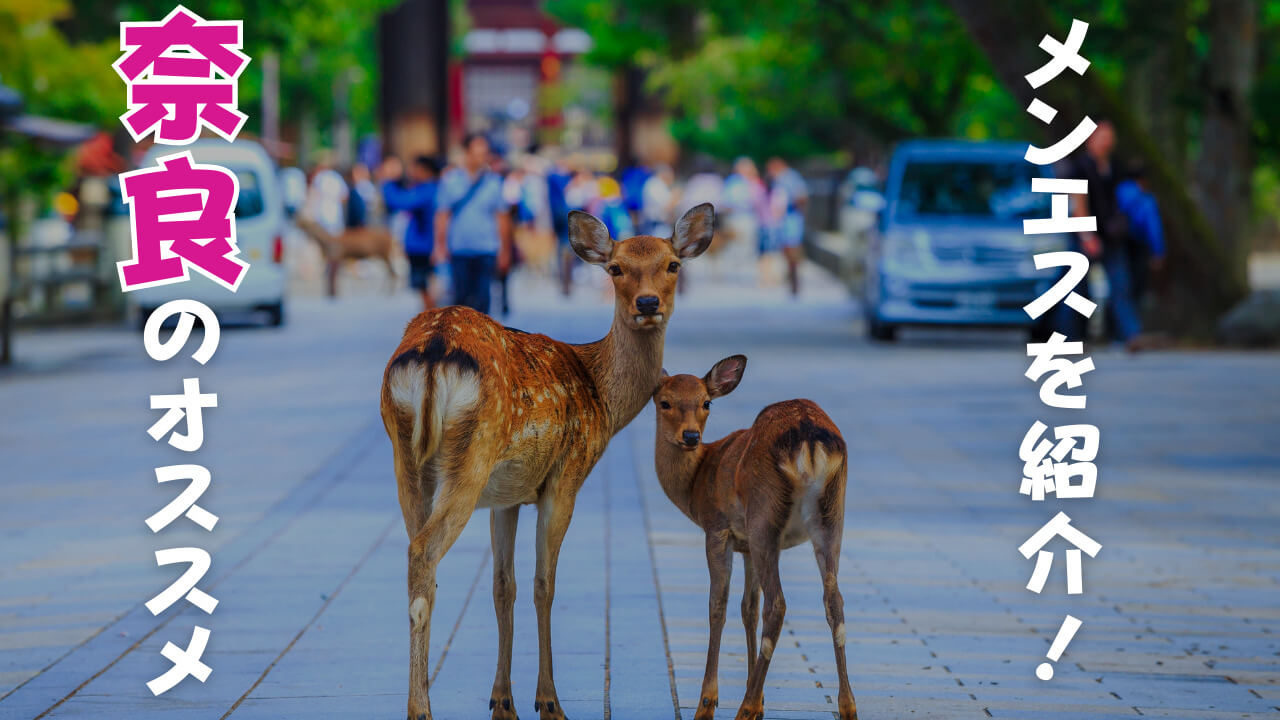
<point x="704" y="186"/>
<point x="1146" y="232"/>
<point x="327" y="196"/>
<point x="558" y="178"/>
<point x="632" y="181"/>
<point x="363" y="205"/>
<point x="579" y="194"/>
<point x="418" y="200"/>
<point x="788" y="198"/>
<point x="746" y="203"/>
<point x="472" y="225"/>
<point x="520" y="216"/>
<point x="658" y="202"/>
<point x="1110" y="242"/>
<point x="611" y="209"/>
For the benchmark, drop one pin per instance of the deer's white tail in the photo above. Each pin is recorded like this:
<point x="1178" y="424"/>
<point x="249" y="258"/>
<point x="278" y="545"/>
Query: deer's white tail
<point x="435" y="396"/>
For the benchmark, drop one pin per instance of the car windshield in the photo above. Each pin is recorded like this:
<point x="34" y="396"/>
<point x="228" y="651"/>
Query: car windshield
<point x="249" y="204"/>
<point x="976" y="189"/>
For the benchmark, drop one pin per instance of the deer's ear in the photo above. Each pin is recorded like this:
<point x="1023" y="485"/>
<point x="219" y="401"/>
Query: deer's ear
<point x="694" y="231"/>
<point x="589" y="238"/>
<point x="725" y="375"/>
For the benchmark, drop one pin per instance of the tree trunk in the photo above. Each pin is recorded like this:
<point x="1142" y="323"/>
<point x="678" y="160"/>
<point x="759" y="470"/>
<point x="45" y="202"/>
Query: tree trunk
<point x="628" y="81"/>
<point x="1206" y="275"/>
<point x="1224" y="169"/>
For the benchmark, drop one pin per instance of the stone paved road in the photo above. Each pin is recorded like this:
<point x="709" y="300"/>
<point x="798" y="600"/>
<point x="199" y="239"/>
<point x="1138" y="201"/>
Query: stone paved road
<point x="1180" y="610"/>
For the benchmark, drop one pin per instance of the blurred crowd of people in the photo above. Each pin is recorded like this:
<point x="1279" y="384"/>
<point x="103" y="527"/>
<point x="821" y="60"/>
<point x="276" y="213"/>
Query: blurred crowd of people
<point x="464" y="225"/>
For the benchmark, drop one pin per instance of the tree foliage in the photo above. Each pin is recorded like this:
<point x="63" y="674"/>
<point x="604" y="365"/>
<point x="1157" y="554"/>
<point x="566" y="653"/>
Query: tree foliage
<point x="320" y="43"/>
<point x="803" y="77"/>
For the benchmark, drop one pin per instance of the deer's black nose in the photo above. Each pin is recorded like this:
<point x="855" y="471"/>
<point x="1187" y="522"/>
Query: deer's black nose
<point x="647" y="304"/>
<point x="691" y="437"/>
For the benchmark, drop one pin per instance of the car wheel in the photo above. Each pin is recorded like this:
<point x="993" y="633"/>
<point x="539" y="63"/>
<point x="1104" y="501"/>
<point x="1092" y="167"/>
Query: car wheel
<point x="1039" y="331"/>
<point x="143" y="314"/>
<point x="275" y="314"/>
<point x="880" y="331"/>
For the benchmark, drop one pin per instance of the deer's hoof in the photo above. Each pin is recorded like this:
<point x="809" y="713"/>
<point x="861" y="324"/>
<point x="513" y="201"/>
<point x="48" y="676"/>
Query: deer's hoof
<point x="549" y="709"/>
<point x="501" y="708"/>
<point x="750" y="712"/>
<point x="706" y="708"/>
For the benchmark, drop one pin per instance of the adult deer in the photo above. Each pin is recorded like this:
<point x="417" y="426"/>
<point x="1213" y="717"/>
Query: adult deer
<point x="756" y="491"/>
<point x="485" y="416"/>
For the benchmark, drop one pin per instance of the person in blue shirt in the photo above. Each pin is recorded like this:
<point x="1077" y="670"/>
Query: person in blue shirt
<point x="419" y="200"/>
<point x="558" y="178"/>
<point x="1146" y="233"/>
<point x="473" y="225"/>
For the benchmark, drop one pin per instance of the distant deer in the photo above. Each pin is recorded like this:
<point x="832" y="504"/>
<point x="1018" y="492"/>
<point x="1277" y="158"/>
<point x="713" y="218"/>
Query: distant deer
<point x="757" y="491"/>
<point x="354" y="243"/>
<point x="485" y="416"/>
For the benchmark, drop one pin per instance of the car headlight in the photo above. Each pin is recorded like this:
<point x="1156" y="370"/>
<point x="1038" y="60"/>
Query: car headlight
<point x="908" y="250"/>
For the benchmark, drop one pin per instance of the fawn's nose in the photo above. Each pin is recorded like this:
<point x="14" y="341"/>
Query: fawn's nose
<point x="647" y="304"/>
<point x="691" y="437"/>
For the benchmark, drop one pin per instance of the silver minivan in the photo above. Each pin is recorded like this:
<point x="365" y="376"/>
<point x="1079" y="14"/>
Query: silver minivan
<point x="260" y="224"/>
<point x="951" y="250"/>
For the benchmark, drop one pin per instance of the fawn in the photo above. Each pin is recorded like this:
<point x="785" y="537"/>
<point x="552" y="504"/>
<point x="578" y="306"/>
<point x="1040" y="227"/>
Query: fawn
<point x="485" y="416"/>
<point x="756" y="491"/>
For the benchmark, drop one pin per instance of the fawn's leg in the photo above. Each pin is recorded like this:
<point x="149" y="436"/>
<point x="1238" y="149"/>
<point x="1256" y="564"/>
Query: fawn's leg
<point x="502" y="535"/>
<point x="750" y="609"/>
<point x="554" y="513"/>
<point x="826" y="532"/>
<point x="764" y="559"/>
<point x="720" y="566"/>
<point x="449" y="514"/>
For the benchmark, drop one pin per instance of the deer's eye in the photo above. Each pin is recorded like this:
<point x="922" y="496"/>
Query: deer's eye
<point x="664" y="405"/>
<point x="673" y="267"/>
<point x="706" y="404"/>
<point x="614" y="270"/>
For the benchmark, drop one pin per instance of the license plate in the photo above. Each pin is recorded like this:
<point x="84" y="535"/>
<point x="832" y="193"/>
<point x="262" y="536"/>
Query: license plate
<point x="976" y="299"/>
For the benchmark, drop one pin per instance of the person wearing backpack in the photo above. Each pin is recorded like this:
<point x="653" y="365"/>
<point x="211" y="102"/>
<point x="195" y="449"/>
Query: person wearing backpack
<point x="473" y="232"/>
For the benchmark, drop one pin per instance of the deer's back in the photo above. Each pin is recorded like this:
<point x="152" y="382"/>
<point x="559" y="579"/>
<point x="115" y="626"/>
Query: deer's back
<point x="529" y="402"/>
<point x="789" y="464"/>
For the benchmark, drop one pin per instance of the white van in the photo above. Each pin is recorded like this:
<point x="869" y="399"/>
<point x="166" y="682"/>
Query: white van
<point x="260" y="224"/>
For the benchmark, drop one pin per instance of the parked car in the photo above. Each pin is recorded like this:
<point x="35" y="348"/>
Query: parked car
<point x="950" y="250"/>
<point x="260" y="223"/>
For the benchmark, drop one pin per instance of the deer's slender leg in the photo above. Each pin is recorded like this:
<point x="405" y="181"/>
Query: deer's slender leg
<point x="450" y="511"/>
<point x="720" y="565"/>
<point x="826" y="533"/>
<point x="763" y="544"/>
<point x="554" y="512"/>
<point x="750" y="609"/>
<point x="502" y="533"/>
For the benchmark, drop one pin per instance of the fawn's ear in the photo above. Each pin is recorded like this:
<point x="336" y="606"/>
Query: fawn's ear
<point x="694" y="231"/>
<point x="725" y="375"/>
<point x="590" y="238"/>
<point x="662" y="379"/>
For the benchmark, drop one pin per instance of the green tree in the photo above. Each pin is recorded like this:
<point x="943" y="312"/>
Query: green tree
<point x="1203" y="181"/>
<point x="321" y="44"/>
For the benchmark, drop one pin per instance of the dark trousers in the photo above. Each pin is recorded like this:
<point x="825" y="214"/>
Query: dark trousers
<point x="1124" y="313"/>
<point x="473" y="280"/>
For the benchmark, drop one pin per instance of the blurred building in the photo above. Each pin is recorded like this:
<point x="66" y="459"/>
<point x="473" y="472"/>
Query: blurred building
<point x="512" y="52"/>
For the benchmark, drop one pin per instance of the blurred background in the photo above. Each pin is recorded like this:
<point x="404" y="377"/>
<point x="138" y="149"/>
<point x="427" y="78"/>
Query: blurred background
<point x="866" y="163"/>
<point x="584" y="101"/>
